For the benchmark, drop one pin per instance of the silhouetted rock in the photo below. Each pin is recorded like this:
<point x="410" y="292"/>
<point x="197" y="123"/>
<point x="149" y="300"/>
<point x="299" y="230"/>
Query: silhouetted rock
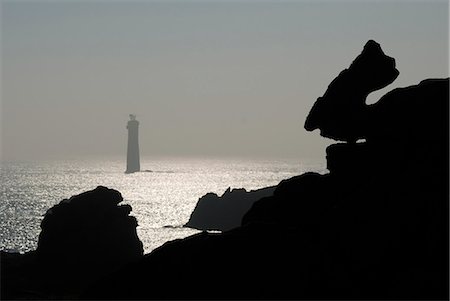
<point x="300" y="195"/>
<point x="375" y="227"/>
<point x="83" y="238"/>
<point x="91" y="222"/>
<point x="411" y="115"/>
<point x="243" y="263"/>
<point x="341" y="113"/>
<point x="224" y="213"/>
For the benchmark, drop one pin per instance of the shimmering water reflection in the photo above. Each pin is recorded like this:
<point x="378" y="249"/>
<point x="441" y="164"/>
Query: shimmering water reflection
<point x="165" y="196"/>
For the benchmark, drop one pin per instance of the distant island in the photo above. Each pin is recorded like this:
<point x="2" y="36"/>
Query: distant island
<point x="225" y="212"/>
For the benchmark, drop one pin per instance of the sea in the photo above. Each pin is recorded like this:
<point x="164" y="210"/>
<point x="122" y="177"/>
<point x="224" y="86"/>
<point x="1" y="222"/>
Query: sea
<point x="162" y="196"/>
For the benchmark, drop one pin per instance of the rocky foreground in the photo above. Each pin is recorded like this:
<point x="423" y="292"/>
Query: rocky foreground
<point x="83" y="239"/>
<point x="375" y="227"/>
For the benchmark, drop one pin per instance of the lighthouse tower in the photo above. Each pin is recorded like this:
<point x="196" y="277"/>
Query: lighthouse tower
<point x="133" y="163"/>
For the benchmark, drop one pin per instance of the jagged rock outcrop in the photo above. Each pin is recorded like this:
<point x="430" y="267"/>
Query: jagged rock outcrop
<point x="225" y="212"/>
<point x="375" y="227"/>
<point x="341" y="113"/>
<point x="83" y="238"/>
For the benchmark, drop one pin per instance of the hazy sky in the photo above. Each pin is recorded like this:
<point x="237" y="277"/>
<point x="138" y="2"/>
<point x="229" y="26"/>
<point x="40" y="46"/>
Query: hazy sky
<point x="216" y="78"/>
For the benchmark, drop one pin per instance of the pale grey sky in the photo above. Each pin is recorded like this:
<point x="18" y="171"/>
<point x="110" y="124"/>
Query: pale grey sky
<point x="215" y="78"/>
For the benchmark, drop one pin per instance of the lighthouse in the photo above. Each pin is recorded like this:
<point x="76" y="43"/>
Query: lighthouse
<point x="133" y="162"/>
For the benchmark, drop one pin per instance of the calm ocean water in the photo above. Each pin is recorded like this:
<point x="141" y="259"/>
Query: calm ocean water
<point x="164" y="197"/>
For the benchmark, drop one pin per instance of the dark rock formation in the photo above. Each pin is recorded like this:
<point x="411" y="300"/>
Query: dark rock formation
<point x="341" y="113"/>
<point x="245" y="263"/>
<point x="83" y="239"/>
<point x="411" y="115"/>
<point x="225" y="213"/>
<point x="375" y="227"/>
